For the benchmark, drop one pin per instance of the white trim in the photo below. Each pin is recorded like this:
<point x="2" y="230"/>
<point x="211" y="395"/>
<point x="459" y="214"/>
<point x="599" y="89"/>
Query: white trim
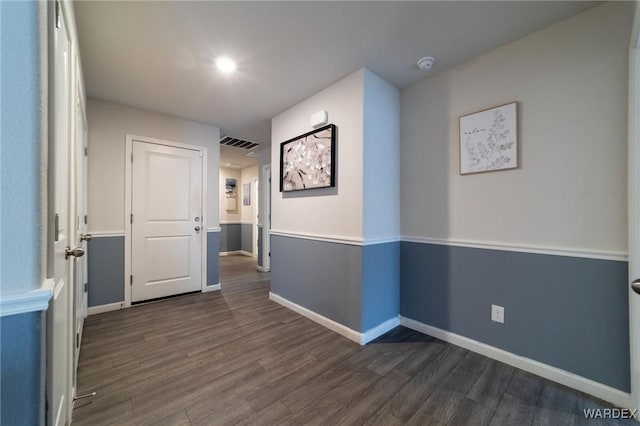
<point x="633" y="205"/>
<point x="214" y="229"/>
<point x="246" y="253"/>
<point x="99" y="234"/>
<point x="262" y="268"/>
<point x="317" y="237"/>
<point x="209" y="288"/>
<point x="229" y="253"/>
<point x="492" y="245"/>
<point x="380" y="240"/>
<point x="379" y="330"/>
<point x="266" y="213"/>
<point x="604" y="392"/>
<point x="343" y="330"/>
<point x="29" y="301"/>
<point x="94" y="310"/>
<point x="334" y="238"/>
<point x="315" y="317"/>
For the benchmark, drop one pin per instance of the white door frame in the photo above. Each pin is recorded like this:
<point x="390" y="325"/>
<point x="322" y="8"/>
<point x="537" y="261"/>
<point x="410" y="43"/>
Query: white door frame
<point x="266" y="223"/>
<point x="255" y="220"/>
<point x="130" y="138"/>
<point x="634" y="208"/>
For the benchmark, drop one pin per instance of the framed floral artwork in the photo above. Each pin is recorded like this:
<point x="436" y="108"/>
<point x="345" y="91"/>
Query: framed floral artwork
<point x="308" y="161"/>
<point x="489" y="140"/>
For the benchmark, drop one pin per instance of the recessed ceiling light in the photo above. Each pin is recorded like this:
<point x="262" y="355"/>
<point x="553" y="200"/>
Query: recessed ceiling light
<point x="225" y="64"/>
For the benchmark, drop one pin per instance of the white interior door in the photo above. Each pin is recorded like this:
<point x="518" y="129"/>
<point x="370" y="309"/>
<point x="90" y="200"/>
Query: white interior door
<point x="58" y="315"/>
<point x="81" y="236"/>
<point x="167" y="226"/>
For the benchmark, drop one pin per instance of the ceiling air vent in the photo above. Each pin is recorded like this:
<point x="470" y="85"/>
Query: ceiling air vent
<point x="238" y="143"/>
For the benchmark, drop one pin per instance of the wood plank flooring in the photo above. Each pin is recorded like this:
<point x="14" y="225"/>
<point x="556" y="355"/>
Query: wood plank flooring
<point x="234" y="357"/>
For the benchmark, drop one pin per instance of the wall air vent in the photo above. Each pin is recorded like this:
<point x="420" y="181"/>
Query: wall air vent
<point x="238" y="143"/>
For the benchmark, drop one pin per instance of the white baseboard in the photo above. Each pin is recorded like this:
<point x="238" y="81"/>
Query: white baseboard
<point x="262" y="268"/>
<point x="315" y="317"/>
<point x="379" y="330"/>
<point x="604" y="392"/>
<point x="209" y="288"/>
<point x="93" y="310"/>
<point x="343" y="330"/>
<point x="230" y="253"/>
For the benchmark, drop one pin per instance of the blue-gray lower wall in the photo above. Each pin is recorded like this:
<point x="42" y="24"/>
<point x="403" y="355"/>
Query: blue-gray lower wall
<point x="380" y="283"/>
<point x="106" y="267"/>
<point x="260" y="246"/>
<point x="246" y="237"/>
<point x="20" y="369"/>
<point x="570" y="313"/>
<point x="106" y="270"/>
<point x="352" y="285"/>
<point x="213" y="257"/>
<point x="230" y="237"/>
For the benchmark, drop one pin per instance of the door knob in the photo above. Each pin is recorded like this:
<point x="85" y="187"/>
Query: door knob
<point x="85" y="237"/>
<point x="197" y="228"/>
<point x="76" y="252"/>
<point x="636" y="286"/>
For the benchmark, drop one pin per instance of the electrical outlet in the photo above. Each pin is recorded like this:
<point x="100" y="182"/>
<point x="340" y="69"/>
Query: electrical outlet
<point x="497" y="313"/>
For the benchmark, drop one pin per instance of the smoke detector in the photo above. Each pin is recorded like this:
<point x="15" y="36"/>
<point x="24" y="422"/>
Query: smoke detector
<point x="426" y="63"/>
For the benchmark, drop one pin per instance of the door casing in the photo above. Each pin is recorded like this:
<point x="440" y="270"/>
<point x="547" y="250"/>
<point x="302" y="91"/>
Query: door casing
<point x="634" y="209"/>
<point x="266" y="222"/>
<point x="130" y="138"/>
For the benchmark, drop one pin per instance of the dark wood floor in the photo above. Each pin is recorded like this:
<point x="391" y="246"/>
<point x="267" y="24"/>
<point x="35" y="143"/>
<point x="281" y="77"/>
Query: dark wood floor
<point x="234" y="357"/>
<point x="238" y="269"/>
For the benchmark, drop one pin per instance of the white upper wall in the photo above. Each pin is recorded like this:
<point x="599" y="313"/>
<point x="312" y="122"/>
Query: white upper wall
<point x="264" y="159"/>
<point x="108" y="125"/>
<point x="247" y="175"/>
<point x="570" y="191"/>
<point x="381" y="214"/>
<point x="333" y="211"/>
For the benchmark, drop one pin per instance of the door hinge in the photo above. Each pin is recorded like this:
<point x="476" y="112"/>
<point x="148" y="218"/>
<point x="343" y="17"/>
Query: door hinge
<point x="86" y="151"/>
<point x="130" y="279"/>
<point x="132" y="157"/>
<point x="56" y="227"/>
<point x="85" y="219"/>
<point x="131" y="218"/>
<point x="86" y="287"/>
<point x="77" y="340"/>
<point x="58" y="17"/>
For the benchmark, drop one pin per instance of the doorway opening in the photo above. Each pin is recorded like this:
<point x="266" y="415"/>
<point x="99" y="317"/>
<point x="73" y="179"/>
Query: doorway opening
<point x="239" y="216"/>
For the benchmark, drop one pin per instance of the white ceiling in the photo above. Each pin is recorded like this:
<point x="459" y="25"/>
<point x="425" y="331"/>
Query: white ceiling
<point x="236" y="158"/>
<point x="159" y="55"/>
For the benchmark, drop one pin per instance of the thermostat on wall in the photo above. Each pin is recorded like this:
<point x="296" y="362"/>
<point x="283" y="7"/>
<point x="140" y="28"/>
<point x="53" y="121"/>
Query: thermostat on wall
<point x="320" y="118"/>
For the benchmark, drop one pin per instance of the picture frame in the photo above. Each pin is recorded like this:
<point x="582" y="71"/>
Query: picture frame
<point x="489" y="139"/>
<point x="230" y="189"/>
<point x="246" y="194"/>
<point x="308" y="161"/>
